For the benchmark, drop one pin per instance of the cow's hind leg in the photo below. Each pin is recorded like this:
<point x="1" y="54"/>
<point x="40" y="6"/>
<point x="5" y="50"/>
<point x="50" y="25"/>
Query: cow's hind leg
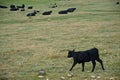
<point x="101" y="62"/>
<point x="83" y="63"/>
<point x="94" y="64"/>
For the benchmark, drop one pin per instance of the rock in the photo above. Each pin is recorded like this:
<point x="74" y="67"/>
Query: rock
<point x="40" y="76"/>
<point x="47" y="79"/>
<point x="62" y="78"/>
<point x="42" y="72"/>
<point x="69" y="75"/>
<point x="98" y="77"/>
<point x="93" y="77"/>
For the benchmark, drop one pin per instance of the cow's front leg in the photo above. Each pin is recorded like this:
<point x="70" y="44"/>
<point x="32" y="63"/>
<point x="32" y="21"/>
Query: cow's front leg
<point x="94" y="64"/>
<point x="73" y="66"/>
<point x="83" y="63"/>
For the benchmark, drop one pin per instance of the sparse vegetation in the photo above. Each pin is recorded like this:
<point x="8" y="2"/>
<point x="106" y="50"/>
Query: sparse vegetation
<point x="28" y="45"/>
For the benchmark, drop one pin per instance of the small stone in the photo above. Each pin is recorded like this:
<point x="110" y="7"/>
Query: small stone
<point x="47" y="79"/>
<point x="42" y="72"/>
<point x="98" y="77"/>
<point x="70" y="75"/>
<point x="112" y="78"/>
<point x="62" y="78"/>
<point x="93" y="77"/>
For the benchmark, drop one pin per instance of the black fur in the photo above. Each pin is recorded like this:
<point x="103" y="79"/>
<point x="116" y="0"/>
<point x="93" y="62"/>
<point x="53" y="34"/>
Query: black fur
<point x="71" y="9"/>
<point x="53" y="5"/>
<point x="33" y="13"/>
<point x="47" y="13"/>
<point x="22" y="6"/>
<point x="85" y="56"/>
<point x="30" y="7"/>
<point x="13" y="8"/>
<point x="117" y="2"/>
<point x="2" y="6"/>
<point x="63" y="12"/>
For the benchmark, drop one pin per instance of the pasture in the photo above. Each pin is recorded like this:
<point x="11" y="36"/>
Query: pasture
<point x="29" y="44"/>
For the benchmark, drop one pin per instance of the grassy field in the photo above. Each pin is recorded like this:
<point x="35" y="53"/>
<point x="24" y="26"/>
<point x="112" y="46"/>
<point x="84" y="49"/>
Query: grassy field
<point x="28" y="45"/>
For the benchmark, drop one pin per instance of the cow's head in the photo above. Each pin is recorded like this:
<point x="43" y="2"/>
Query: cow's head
<point x="71" y="53"/>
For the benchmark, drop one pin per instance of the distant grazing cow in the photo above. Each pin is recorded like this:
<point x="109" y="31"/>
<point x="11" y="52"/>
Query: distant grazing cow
<point x="71" y="9"/>
<point x="47" y="13"/>
<point x="14" y="9"/>
<point x="23" y="6"/>
<point x="1" y="6"/>
<point x="117" y="2"/>
<point x="22" y="9"/>
<point x="32" y="14"/>
<point x="85" y="56"/>
<point x="19" y="6"/>
<point x="30" y="7"/>
<point x="12" y="6"/>
<point x="37" y="11"/>
<point x="53" y="5"/>
<point x="63" y="12"/>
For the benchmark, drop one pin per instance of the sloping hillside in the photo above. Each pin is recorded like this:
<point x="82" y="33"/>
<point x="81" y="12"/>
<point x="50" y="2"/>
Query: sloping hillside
<point x="29" y="44"/>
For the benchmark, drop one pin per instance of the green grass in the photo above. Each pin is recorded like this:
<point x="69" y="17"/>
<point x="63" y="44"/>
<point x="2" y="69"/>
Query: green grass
<point x="28" y="45"/>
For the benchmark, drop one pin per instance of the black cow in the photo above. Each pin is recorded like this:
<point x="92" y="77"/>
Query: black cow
<point x="23" y="6"/>
<point x="14" y="9"/>
<point x="30" y="7"/>
<point x="47" y="13"/>
<point x="63" y="12"/>
<point x="22" y="9"/>
<point x="71" y="9"/>
<point x="33" y="13"/>
<point x="53" y="5"/>
<point x="85" y="56"/>
<point x="37" y="11"/>
<point x="1" y="6"/>
<point x="12" y="6"/>
<point x="117" y="3"/>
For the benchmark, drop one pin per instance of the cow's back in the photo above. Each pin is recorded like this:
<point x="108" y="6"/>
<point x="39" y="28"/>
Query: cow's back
<point x="93" y="53"/>
<point x="88" y="55"/>
<point x="83" y="56"/>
